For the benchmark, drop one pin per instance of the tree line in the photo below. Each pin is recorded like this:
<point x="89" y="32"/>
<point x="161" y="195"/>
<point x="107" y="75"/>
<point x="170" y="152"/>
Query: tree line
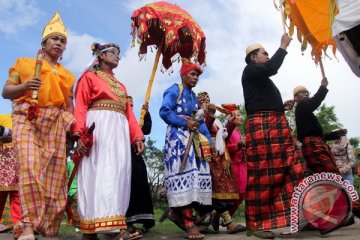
<point x="154" y="157"/>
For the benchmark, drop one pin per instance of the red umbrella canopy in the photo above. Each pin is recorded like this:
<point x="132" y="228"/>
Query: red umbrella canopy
<point x="166" y="24"/>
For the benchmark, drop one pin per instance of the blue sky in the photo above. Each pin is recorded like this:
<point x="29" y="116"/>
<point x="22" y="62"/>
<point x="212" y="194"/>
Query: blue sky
<point x="229" y="25"/>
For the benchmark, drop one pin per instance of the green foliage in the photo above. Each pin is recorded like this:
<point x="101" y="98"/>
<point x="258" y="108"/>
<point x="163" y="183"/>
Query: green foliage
<point x="154" y="159"/>
<point x="327" y="118"/>
<point x="290" y="116"/>
<point x="243" y="119"/>
<point x="357" y="184"/>
<point x="354" y="141"/>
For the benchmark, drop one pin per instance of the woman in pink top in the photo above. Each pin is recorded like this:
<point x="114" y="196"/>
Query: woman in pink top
<point x="235" y="144"/>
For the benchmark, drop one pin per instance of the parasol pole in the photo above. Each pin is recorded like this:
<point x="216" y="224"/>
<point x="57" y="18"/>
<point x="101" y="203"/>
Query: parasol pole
<point x="184" y="160"/>
<point x="151" y="80"/>
<point x="322" y="68"/>
<point x="282" y="15"/>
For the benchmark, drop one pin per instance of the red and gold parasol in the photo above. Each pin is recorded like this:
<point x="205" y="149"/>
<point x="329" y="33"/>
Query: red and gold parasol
<point x="313" y="20"/>
<point x="172" y="30"/>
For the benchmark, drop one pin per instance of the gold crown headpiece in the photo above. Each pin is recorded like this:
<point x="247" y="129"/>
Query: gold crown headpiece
<point x="202" y="96"/>
<point x="54" y="27"/>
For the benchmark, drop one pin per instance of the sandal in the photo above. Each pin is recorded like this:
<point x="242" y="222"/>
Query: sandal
<point x="17" y="231"/>
<point x="192" y="233"/>
<point x="238" y="228"/>
<point x="125" y="235"/>
<point x="140" y="231"/>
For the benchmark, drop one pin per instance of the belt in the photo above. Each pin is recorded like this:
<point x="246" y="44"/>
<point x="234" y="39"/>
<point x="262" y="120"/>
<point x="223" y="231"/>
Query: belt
<point x="110" y="105"/>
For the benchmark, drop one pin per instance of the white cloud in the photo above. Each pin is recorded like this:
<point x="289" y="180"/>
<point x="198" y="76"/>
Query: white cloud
<point x="78" y="51"/>
<point x="16" y="15"/>
<point x="230" y="26"/>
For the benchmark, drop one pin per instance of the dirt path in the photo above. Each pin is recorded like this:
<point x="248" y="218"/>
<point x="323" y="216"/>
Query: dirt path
<point x="348" y="233"/>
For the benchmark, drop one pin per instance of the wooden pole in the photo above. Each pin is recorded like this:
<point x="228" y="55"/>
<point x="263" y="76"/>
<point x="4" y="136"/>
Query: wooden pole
<point x="322" y="68"/>
<point x="282" y="16"/>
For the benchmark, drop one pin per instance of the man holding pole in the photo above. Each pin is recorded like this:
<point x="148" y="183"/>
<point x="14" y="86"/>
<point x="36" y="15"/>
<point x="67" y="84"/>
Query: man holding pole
<point x="192" y="186"/>
<point x="275" y="164"/>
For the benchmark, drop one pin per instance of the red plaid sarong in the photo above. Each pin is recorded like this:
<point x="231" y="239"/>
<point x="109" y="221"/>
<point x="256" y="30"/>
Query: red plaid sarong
<point x="40" y="148"/>
<point x="318" y="155"/>
<point x="275" y="166"/>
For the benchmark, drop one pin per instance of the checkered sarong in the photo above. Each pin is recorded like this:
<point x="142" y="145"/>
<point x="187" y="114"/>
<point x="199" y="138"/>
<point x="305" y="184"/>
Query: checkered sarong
<point x="40" y="147"/>
<point x="275" y="166"/>
<point x="318" y="155"/>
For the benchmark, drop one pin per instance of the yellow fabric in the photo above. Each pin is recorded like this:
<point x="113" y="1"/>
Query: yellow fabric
<point x="5" y="121"/>
<point x="253" y="47"/>
<point x="54" y="26"/>
<point x="57" y="82"/>
<point x="298" y="89"/>
<point x="313" y="20"/>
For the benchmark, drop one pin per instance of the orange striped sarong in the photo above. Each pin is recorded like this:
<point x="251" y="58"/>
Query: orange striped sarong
<point x="41" y="151"/>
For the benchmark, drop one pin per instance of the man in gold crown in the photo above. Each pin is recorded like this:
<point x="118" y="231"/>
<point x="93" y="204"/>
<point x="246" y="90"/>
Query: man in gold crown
<point x="41" y="141"/>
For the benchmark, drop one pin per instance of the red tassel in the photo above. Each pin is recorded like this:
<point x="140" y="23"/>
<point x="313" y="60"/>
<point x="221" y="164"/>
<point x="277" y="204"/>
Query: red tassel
<point x="33" y="111"/>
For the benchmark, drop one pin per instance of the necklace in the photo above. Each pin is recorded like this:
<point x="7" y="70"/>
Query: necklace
<point x="114" y="85"/>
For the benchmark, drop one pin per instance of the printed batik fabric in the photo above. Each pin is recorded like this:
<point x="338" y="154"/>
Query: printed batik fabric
<point x="194" y="183"/>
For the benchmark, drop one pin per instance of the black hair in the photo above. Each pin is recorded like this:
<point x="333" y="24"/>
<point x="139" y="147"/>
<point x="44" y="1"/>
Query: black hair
<point x="252" y="53"/>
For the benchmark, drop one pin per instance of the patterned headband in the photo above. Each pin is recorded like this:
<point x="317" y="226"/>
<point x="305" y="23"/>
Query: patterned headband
<point x="98" y="47"/>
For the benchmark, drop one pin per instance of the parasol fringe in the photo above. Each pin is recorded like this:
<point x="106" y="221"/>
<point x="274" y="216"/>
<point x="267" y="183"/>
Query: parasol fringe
<point x="304" y="45"/>
<point x="172" y="47"/>
<point x="299" y="35"/>
<point x="302" y="38"/>
<point x="291" y="28"/>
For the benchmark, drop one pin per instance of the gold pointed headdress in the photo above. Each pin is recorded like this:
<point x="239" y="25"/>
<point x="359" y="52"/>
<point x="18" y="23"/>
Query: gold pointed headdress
<point x="203" y="97"/>
<point x="54" y="26"/>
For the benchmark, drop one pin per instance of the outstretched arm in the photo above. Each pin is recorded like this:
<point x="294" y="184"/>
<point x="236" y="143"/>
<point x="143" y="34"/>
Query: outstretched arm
<point x="314" y="102"/>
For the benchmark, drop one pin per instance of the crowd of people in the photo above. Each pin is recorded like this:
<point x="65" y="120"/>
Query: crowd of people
<point x="210" y="167"/>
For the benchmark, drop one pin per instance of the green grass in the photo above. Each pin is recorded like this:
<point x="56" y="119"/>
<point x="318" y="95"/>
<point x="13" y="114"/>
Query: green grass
<point x="165" y="228"/>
